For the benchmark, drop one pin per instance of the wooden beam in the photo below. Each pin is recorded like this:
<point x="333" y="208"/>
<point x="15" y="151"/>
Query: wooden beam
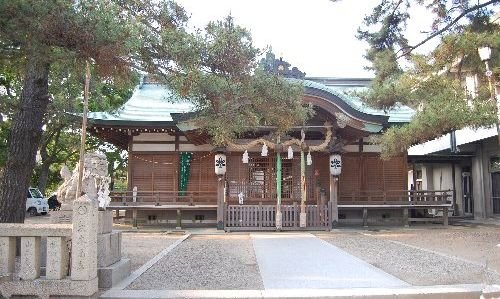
<point x="130" y="163"/>
<point x="177" y="142"/>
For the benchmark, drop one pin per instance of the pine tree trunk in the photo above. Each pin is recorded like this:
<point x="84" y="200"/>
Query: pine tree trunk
<point x="44" y="176"/>
<point x="24" y="137"/>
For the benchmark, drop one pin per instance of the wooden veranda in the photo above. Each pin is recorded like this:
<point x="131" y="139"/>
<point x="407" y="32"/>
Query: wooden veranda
<point x="319" y="217"/>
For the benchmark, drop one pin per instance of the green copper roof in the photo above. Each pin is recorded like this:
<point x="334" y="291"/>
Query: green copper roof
<point x="149" y="103"/>
<point x="153" y="104"/>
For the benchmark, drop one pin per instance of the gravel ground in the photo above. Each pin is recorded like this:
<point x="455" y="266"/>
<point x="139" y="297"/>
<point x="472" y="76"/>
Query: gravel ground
<point x="208" y="262"/>
<point x="478" y="244"/>
<point x="413" y="265"/>
<point x="141" y="247"/>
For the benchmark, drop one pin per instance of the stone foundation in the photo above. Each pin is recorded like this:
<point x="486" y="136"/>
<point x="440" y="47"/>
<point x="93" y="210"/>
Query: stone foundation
<point x="111" y="275"/>
<point x="43" y="288"/>
<point x="111" y="268"/>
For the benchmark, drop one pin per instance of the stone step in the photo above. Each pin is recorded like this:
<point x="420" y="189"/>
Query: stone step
<point x="111" y="275"/>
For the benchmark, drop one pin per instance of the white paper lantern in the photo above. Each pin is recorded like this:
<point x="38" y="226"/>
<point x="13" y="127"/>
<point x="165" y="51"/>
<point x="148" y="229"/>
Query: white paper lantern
<point x="290" y="152"/>
<point x="241" y="198"/>
<point x="335" y="164"/>
<point x="220" y="164"/>
<point x="264" y="150"/>
<point x="244" y="159"/>
<point x="309" y="159"/>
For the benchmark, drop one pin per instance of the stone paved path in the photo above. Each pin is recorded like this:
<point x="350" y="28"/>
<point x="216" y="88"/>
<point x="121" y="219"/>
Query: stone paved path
<point x="298" y="261"/>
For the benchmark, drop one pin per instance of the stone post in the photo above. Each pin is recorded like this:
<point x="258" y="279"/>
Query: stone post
<point x="7" y="256"/>
<point x="30" y="258"/>
<point x="84" y="239"/>
<point x="56" y="258"/>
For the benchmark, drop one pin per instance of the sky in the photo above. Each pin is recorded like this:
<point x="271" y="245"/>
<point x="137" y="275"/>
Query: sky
<point x="317" y="36"/>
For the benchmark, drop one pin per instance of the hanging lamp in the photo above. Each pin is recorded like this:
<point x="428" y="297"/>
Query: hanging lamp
<point x="264" y="150"/>
<point x="290" y="152"/>
<point x="244" y="159"/>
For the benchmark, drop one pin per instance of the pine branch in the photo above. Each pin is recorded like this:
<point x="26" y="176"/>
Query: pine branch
<point x="436" y="33"/>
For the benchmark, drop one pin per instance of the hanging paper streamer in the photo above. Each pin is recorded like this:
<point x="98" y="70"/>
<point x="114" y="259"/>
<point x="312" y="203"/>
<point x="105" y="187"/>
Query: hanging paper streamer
<point x="309" y="159"/>
<point x="184" y="171"/>
<point x="290" y="152"/>
<point x="264" y="150"/>
<point x="245" y="157"/>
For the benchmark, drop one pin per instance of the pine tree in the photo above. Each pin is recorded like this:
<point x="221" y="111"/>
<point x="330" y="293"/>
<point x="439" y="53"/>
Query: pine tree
<point x="433" y="84"/>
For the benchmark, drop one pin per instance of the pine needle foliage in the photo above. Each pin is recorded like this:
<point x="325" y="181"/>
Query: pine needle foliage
<point x="434" y="83"/>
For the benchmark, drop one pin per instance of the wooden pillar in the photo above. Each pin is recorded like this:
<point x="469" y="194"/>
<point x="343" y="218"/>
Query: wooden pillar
<point x="220" y="202"/>
<point x="176" y="141"/>
<point x="453" y="177"/>
<point x="365" y="217"/>
<point x="279" y="222"/>
<point x="134" y="218"/>
<point x="303" y="188"/>
<point x="179" y="219"/>
<point x="334" y="195"/>
<point x="445" y="216"/>
<point x="130" y="160"/>
<point x="220" y="171"/>
<point x="405" y="217"/>
<point x="414" y="175"/>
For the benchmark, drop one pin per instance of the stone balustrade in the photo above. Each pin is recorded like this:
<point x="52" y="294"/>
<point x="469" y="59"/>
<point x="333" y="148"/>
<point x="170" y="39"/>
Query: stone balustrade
<point x="30" y="234"/>
<point x="26" y="280"/>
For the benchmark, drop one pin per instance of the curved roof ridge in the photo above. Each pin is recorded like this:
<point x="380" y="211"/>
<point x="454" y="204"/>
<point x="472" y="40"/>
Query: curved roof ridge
<point x="398" y="114"/>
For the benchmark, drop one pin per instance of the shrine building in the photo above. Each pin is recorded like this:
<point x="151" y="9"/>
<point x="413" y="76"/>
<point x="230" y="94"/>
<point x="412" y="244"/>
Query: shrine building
<point x="320" y="175"/>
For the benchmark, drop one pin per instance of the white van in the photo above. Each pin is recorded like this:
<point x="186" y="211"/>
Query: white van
<point x="36" y="204"/>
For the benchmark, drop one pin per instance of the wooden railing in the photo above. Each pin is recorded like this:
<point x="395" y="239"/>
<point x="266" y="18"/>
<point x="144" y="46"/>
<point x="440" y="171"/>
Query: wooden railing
<point x="263" y="217"/>
<point x="162" y="197"/>
<point x="399" y="196"/>
<point x="400" y="200"/>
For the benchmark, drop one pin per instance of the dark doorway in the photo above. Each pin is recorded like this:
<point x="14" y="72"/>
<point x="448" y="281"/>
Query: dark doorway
<point x="467" y="192"/>
<point x="495" y="191"/>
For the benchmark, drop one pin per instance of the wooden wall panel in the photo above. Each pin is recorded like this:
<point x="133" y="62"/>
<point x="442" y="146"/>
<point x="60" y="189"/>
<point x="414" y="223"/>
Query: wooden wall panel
<point x="141" y="173"/>
<point x="165" y="171"/>
<point x="236" y="174"/>
<point x="372" y="173"/>
<point x="367" y="172"/>
<point x="154" y="172"/>
<point x="202" y="175"/>
<point x="321" y="171"/>
<point x="350" y="178"/>
<point x="395" y="174"/>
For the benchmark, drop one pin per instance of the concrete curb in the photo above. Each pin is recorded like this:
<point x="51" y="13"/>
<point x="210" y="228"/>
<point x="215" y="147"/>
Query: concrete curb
<point x="440" y="291"/>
